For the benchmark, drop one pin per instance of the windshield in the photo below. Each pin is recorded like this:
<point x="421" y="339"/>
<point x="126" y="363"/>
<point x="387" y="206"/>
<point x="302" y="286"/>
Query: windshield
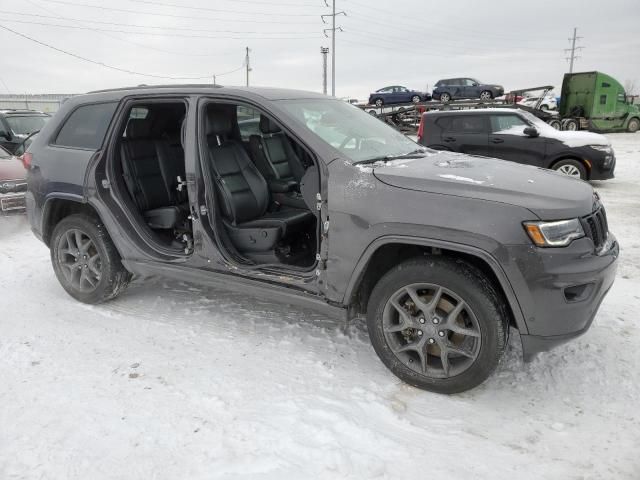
<point x="357" y="135"/>
<point x="26" y="125"/>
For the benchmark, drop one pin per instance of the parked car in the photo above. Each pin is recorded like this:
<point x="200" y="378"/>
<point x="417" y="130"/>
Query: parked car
<point x="457" y="88"/>
<point x="521" y="137"/>
<point x="397" y="94"/>
<point x="13" y="182"/>
<point x="451" y="250"/>
<point x="16" y="125"/>
<point x="546" y="103"/>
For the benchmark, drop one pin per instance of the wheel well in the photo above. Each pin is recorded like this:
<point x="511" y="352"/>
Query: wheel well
<point x="580" y="160"/>
<point x="59" y="208"/>
<point x="390" y="255"/>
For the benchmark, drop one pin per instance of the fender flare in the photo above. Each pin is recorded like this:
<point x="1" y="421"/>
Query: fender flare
<point x="46" y="209"/>
<point x="494" y="265"/>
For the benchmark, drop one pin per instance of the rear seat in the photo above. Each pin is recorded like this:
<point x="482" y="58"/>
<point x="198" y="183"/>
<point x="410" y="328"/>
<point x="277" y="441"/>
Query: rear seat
<point x="150" y="170"/>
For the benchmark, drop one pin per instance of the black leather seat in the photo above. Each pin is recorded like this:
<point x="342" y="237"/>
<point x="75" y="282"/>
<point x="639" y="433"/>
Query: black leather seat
<point x="148" y="166"/>
<point x="243" y="192"/>
<point x="275" y="158"/>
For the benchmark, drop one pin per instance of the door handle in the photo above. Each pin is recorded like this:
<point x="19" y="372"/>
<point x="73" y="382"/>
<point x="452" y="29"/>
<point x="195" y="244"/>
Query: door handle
<point x="449" y="139"/>
<point x="497" y="140"/>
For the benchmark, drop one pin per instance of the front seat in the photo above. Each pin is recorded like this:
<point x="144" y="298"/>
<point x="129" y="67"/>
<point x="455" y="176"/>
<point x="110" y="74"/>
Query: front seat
<point x="275" y="158"/>
<point x="243" y="193"/>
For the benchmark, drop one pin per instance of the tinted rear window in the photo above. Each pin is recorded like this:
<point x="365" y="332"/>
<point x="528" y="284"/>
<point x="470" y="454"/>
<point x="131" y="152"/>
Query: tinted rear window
<point x="86" y="126"/>
<point x="467" y="124"/>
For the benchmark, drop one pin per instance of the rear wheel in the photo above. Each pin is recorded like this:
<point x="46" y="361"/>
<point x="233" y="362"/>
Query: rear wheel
<point x="486" y="95"/>
<point x="437" y="324"/>
<point x="571" y="167"/>
<point x="634" y="125"/>
<point x="85" y="260"/>
<point x="555" y="124"/>
<point x="445" y="97"/>
<point x="570" y="124"/>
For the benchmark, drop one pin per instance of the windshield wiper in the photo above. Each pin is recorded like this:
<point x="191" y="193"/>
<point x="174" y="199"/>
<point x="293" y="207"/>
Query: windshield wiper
<point x="417" y="153"/>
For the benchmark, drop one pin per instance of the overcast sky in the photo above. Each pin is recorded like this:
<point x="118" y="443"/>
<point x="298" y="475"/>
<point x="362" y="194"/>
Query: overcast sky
<point x="408" y="42"/>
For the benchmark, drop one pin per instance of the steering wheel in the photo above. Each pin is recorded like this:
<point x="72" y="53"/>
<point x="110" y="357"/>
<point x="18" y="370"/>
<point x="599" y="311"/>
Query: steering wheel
<point x="345" y="141"/>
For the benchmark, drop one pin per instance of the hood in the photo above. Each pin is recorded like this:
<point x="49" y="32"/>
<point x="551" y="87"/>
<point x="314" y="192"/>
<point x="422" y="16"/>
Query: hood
<point x="548" y="194"/>
<point x="576" y="139"/>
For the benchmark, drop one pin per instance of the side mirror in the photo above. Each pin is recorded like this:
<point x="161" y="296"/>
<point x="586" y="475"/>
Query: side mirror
<point x="531" y="132"/>
<point x="474" y="84"/>
<point x="6" y="135"/>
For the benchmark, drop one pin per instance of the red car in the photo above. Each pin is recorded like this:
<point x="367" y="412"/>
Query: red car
<point x="13" y="182"/>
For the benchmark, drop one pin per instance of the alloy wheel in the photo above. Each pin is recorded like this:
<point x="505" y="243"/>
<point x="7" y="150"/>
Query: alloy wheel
<point x="431" y="330"/>
<point x="79" y="260"/>
<point x="570" y="170"/>
<point x="485" y="96"/>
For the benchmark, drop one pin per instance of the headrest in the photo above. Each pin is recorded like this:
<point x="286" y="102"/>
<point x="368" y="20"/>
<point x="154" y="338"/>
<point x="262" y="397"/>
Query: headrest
<point x="218" y="122"/>
<point x="268" y="126"/>
<point x="139" y="128"/>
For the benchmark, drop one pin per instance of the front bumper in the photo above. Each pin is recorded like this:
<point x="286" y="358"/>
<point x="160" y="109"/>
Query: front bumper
<point x="600" y="172"/>
<point x="561" y="290"/>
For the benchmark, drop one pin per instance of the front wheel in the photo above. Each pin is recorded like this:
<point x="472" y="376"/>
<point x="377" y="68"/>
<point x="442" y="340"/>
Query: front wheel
<point x="378" y="102"/>
<point x="438" y="324"/>
<point x="86" y="261"/>
<point x="445" y="97"/>
<point x="634" y="125"/>
<point x="486" y="95"/>
<point x="415" y="99"/>
<point x="571" y="167"/>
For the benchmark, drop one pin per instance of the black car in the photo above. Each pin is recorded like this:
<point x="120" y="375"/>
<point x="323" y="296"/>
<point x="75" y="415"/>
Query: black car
<point x="17" y="125"/>
<point x="521" y="137"/>
<point x="456" y="88"/>
<point x="325" y="207"/>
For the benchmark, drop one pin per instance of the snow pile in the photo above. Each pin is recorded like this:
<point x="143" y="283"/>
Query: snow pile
<point x="176" y="381"/>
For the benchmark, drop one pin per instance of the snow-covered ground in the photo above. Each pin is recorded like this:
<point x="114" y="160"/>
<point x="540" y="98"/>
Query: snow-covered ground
<point x="176" y="381"/>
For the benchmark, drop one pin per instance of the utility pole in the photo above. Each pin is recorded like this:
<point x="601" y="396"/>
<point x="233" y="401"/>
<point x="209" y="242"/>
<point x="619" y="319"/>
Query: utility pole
<point x="573" y="49"/>
<point x="333" y="29"/>
<point x="214" y="80"/>
<point x="247" y="64"/>
<point x="324" y="51"/>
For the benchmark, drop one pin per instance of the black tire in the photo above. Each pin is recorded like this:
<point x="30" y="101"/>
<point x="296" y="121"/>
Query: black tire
<point x="486" y="95"/>
<point x="555" y="124"/>
<point x="378" y="102"/>
<point x="415" y="99"/>
<point x="112" y="278"/>
<point x="570" y="125"/>
<point x="473" y="288"/>
<point x="571" y="167"/>
<point x="445" y="97"/>
<point x="634" y="125"/>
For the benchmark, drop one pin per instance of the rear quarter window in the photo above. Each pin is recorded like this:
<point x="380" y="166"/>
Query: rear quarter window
<point x="86" y="127"/>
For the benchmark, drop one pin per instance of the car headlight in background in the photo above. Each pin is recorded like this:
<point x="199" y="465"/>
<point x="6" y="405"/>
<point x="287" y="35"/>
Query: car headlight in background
<point x="554" y="234"/>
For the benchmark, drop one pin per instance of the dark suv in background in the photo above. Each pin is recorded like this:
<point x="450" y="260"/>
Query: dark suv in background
<point x="17" y="125"/>
<point x="457" y="88"/>
<point x="322" y="206"/>
<point x="521" y="137"/>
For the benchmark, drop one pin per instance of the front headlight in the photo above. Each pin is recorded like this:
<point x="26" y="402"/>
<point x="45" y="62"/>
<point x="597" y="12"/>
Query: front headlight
<point x="602" y="148"/>
<point x="554" y="234"/>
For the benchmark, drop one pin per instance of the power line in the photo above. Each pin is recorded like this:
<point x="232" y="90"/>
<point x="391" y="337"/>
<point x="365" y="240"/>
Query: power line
<point x="130" y="25"/>
<point x="179" y="35"/>
<point x="169" y="15"/>
<point x="95" y="62"/>
<point x="219" y="10"/>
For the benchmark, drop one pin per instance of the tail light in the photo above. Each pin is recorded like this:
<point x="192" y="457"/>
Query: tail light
<point x="26" y="158"/>
<point x="421" y="128"/>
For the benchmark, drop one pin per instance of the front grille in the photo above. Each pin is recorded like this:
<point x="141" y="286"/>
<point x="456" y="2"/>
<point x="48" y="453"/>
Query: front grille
<point x="13" y="186"/>
<point x="596" y="227"/>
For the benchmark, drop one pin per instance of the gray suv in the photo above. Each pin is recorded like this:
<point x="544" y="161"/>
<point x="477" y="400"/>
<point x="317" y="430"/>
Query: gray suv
<point x="325" y="207"/>
<point x="457" y="88"/>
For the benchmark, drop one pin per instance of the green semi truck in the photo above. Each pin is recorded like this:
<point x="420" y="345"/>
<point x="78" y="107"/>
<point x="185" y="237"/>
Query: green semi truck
<point x="598" y="102"/>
